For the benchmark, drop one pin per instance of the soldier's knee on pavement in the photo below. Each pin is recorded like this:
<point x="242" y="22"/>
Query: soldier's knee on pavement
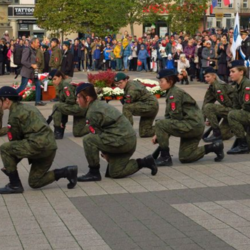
<point x="185" y="158"/>
<point x="34" y="183"/>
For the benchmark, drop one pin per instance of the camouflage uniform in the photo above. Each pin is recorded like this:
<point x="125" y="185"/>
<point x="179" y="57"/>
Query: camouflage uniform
<point x="30" y="137"/>
<point x="3" y="130"/>
<point x="112" y="134"/>
<point x="224" y="94"/>
<point x="139" y="102"/>
<point x="183" y="119"/>
<point x="239" y="118"/>
<point x="55" y="59"/>
<point x="67" y="106"/>
<point x="40" y="60"/>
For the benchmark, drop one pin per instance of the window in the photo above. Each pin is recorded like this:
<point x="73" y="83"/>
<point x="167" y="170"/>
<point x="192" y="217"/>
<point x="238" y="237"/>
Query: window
<point x="219" y="3"/>
<point x="245" y="3"/>
<point x="230" y="6"/>
<point x="15" y="1"/>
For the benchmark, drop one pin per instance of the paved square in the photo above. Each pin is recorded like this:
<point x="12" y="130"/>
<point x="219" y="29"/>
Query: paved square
<point x="204" y="205"/>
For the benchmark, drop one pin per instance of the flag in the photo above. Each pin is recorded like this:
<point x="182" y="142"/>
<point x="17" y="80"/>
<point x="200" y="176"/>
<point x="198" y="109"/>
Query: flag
<point x="236" y="36"/>
<point x="214" y="4"/>
<point x="227" y="2"/>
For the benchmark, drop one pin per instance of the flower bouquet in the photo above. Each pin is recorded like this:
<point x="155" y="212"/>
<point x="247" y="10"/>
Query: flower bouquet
<point x="107" y="93"/>
<point x="118" y="93"/>
<point x="28" y="94"/>
<point x="156" y="91"/>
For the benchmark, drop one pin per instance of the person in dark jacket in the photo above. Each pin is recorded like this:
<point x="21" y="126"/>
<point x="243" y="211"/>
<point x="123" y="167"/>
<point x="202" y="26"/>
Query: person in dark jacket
<point x="18" y="50"/>
<point x="222" y="60"/>
<point x="67" y="62"/>
<point x="76" y="51"/>
<point x="46" y="55"/>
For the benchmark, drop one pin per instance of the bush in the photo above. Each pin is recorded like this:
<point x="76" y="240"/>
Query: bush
<point x="102" y="79"/>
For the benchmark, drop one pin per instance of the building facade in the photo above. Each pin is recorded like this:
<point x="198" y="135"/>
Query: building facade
<point x="22" y="20"/>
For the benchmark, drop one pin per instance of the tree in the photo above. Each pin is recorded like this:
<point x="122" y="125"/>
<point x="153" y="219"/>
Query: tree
<point x="84" y="16"/>
<point x="143" y="11"/>
<point x="186" y="15"/>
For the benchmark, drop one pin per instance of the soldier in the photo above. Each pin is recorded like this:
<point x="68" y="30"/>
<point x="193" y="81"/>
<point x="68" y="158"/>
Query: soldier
<point x="183" y="119"/>
<point x="239" y="117"/>
<point x="56" y="56"/>
<point x="112" y="134"/>
<point x="223" y="93"/>
<point x="55" y="60"/>
<point x="39" y="60"/>
<point x="67" y="106"/>
<point x="46" y="56"/>
<point x="3" y="130"/>
<point x="138" y="102"/>
<point x="29" y="137"/>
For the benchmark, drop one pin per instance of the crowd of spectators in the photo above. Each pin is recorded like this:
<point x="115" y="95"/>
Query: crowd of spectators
<point x="189" y="55"/>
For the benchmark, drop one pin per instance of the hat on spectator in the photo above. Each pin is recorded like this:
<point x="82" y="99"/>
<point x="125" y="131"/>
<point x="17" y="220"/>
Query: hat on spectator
<point x="179" y="47"/>
<point x="237" y="63"/>
<point x="120" y="76"/>
<point x="243" y="32"/>
<point x="55" y="40"/>
<point x="52" y="74"/>
<point x="209" y="70"/>
<point x="67" y="43"/>
<point x="83" y="86"/>
<point x="208" y="41"/>
<point x="10" y="93"/>
<point x="166" y="72"/>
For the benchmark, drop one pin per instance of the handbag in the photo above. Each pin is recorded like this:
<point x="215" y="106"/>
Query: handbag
<point x="196" y="59"/>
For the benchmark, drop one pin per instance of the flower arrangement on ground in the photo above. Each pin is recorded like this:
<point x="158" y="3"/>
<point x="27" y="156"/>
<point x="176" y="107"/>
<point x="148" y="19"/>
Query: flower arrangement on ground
<point x="28" y="94"/>
<point x="102" y="79"/>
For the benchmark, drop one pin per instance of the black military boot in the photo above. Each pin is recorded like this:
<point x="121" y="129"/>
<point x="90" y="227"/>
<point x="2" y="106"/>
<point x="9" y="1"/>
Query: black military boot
<point x="217" y="148"/>
<point x="148" y="162"/>
<point x="216" y="136"/>
<point x="156" y="153"/>
<point x="92" y="175"/>
<point x="15" y="186"/>
<point x="164" y="159"/>
<point x="241" y="147"/>
<point x="58" y="132"/>
<point x="69" y="172"/>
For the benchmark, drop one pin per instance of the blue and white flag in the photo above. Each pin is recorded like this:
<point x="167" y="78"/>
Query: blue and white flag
<point x="236" y="36"/>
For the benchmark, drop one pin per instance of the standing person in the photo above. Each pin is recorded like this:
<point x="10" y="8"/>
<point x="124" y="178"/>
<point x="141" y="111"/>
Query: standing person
<point x="40" y="60"/>
<point x="18" y="50"/>
<point x="76" y="52"/>
<point x="239" y="117"/>
<point x="46" y="56"/>
<point x="67" y="106"/>
<point x="207" y="54"/>
<point x="182" y="66"/>
<point x="222" y="60"/>
<point x="107" y="57"/>
<point x="30" y="69"/>
<point x="110" y="133"/>
<point x="245" y="45"/>
<point x="142" y="57"/>
<point x="138" y="102"/>
<point x="67" y="61"/>
<point x="83" y="55"/>
<point x="184" y="119"/>
<point x="189" y="51"/>
<point x="97" y="57"/>
<point x="222" y="93"/>
<point x="126" y="53"/>
<point x="118" y="56"/>
<point x="29" y="137"/>
<point x="13" y="66"/>
<point x="56" y="55"/>
<point x="133" y="62"/>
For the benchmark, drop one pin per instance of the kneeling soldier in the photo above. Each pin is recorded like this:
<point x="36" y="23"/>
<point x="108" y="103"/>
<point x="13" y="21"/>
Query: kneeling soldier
<point x="29" y="137"/>
<point x="113" y="135"/>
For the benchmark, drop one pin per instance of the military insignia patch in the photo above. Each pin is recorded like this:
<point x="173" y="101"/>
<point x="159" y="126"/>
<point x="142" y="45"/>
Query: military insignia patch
<point x="247" y="94"/>
<point x="66" y="91"/>
<point x="173" y="106"/>
<point x="171" y="97"/>
<point x="56" y="59"/>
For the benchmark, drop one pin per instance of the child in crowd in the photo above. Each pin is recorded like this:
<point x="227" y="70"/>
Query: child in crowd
<point x="97" y="56"/>
<point x="183" y="64"/>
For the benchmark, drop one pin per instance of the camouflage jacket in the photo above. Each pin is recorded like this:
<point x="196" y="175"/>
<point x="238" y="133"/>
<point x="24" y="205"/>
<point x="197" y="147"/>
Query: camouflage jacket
<point x="55" y="59"/>
<point x="220" y="92"/>
<point x="137" y="92"/>
<point x="181" y="106"/>
<point x="66" y="92"/>
<point x="242" y="96"/>
<point x="112" y="126"/>
<point x="40" y="60"/>
<point x="27" y="123"/>
<point x="3" y="130"/>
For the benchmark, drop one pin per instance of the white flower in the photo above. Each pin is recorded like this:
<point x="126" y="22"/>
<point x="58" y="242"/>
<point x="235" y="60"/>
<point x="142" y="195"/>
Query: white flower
<point x="155" y="89"/>
<point x="118" y="92"/>
<point x="149" y="89"/>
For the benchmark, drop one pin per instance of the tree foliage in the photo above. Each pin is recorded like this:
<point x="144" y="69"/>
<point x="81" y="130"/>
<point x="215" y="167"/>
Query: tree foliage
<point x="185" y="15"/>
<point x="86" y="16"/>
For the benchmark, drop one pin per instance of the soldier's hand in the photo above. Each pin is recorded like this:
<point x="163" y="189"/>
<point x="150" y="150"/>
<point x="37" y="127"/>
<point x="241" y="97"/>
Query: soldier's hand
<point x="154" y="139"/>
<point x="207" y="123"/>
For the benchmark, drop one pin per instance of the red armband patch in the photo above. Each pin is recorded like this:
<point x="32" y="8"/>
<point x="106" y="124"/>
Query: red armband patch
<point x="247" y="94"/>
<point x="91" y="129"/>
<point x="173" y="106"/>
<point x="56" y="59"/>
<point x="221" y="95"/>
<point x="66" y="91"/>
<point x="9" y="134"/>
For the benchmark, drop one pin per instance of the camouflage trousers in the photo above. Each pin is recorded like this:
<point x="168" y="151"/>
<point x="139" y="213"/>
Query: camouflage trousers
<point x="120" y="164"/>
<point x="147" y="112"/>
<point x="213" y="112"/>
<point x="239" y="122"/>
<point x="79" y="122"/>
<point x="41" y="160"/>
<point x="190" y="138"/>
